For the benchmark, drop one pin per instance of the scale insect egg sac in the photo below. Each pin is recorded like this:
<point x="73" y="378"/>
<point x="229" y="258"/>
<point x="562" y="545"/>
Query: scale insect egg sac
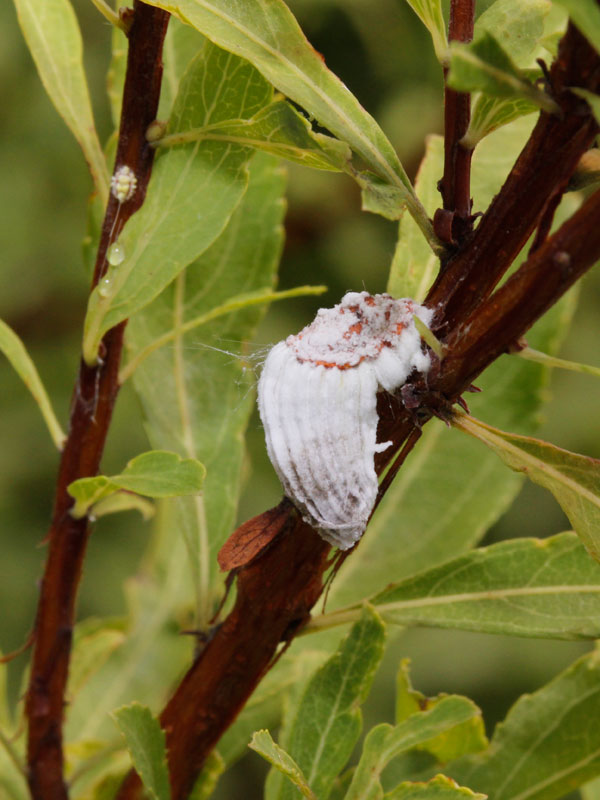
<point x="317" y="398"/>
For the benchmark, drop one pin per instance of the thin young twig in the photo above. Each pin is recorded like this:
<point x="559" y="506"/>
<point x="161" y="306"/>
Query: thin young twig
<point x="91" y="410"/>
<point x="453" y="223"/>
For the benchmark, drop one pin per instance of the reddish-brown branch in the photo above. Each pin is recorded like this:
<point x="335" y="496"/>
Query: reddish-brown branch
<point x="91" y="410"/>
<point x="274" y="598"/>
<point x="454" y="222"/>
<point x="530" y="292"/>
<point x="277" y="589"/>
<point x="542" y="170"/>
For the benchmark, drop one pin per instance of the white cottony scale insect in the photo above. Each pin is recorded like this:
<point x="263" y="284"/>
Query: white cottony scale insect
<point x="317" y="397"/>
<point x="123" y="183"/>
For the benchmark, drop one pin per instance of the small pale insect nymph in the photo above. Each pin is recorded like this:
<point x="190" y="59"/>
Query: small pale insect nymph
<point x="317" y="397"/>
<point x="123" y="183"/>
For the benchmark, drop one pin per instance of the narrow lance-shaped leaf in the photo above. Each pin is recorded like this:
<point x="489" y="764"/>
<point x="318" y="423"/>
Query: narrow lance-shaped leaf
<point x="52" y="34"/>
<point x="548" y="745"/>
<point x="484" y="65"/>
<point x="236" y="303"/>
<point x="385" y="742"/>
<point x="519" y="27"/>
<point x="327" y="720"/>
<point x="147" y="745"/>
<point x="524" y="587"/>
<point x="193" y="192"/>
<point x="266" y="33"/>
<point x="574" y="480"/>
<point x="264" y="745"/>
<point x="206" y="394"/>
<point x="277" y="129"/>
<point x="430" y="14"/>
<point x="157" y="473"/>
<point x="414" y="265"/>
<point x="205" y="785"/>
<point x="14" y="349"/>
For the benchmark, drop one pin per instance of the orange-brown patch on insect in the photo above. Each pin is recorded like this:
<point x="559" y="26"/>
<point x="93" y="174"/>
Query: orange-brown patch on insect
<point x="356" y="328"/>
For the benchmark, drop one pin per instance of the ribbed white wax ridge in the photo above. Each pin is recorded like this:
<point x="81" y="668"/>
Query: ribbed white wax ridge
<point x="317" y="398"/>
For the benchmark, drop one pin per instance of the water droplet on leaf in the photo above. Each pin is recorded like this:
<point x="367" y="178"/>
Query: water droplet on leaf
<point x="105" y="287"/>
<point x="115" y="254"/>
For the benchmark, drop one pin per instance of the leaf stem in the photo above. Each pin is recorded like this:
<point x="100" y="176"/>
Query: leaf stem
<point x="109" y="14"/>
<point x="551" y="361"/>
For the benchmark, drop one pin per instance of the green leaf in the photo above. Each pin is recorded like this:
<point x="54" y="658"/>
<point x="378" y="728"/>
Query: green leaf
<point x="156" y="473"/>
<point x="146" y="743"/>
<point x="277" y="129"/>
<point x="519" y="27"/>
<point x="463" y="739"/>
<point x="385" y="742"/>
<point x="490" y="113"/>
<point x="414" y="265"/>
<point x="13" y="783"/>
<point x="235" y="303"/>
<point x="430" y="14"/>
<point x="438" y="788"/>
<point x="54" y="40"/>
<point x="449" y="491"/>
<point x="266" y="33"/>
<point x="205" y="785"/>
<point x="182" y="45"/>
<point x="485" y="66"/>
<point x="380" y="197"/>
<point x="266" y="706"/>
<point x="154" y="654"/>
<point x="585" y="14"/>
<point x="93" y="644"/>
<point x="327" y="720"/>
<point x="523" y="587"/>
<point x="193" y="192"/>
<point x="14" y="350"/>
<point x="264" y="745"/>
<point x="205" y="399"/>
<point x="574" y="480"/>
<point x="549" y="743"/>
<point x="123" y="501"/>
<point x="591" y="790"/>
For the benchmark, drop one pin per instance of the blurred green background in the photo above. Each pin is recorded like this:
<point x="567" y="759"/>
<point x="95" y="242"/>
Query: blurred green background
<point x="381" y="51"/>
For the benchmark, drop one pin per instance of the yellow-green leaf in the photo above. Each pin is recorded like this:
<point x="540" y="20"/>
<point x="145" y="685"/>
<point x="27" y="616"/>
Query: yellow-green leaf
<point x="14" y="349"/>
<point x="52" y="33"/>
<point x="157" y="473"/>
<point x="573" y="479"/>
